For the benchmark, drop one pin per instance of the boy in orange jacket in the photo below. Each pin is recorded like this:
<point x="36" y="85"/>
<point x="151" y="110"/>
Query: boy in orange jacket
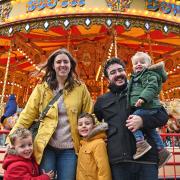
<point x="93" y="160"/>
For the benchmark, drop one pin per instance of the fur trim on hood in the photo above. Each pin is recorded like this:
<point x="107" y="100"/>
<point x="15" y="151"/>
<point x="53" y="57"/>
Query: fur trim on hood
<point x="11" y="151"/>
<point x="101" y="127"/>
<point x="160" y="69"/>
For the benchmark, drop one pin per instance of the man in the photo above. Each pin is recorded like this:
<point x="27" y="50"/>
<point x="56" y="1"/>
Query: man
<point x="113" y="108"/>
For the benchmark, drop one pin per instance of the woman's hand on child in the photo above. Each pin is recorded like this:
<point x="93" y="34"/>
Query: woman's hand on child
<point x="50" y="173"/>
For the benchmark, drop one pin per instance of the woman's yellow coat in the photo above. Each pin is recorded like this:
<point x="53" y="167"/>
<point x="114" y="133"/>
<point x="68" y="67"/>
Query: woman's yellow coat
<point x="76" y="102"/>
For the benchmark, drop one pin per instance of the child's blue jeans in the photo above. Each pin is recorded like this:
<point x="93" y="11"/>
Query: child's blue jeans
<point x="153" y="133"/>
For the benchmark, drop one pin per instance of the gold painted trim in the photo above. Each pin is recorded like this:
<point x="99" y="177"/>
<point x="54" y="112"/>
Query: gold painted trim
<point x="79" y="19"/>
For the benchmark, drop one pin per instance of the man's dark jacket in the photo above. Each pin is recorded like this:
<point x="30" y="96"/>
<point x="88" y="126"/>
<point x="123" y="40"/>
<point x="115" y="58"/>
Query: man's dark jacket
<point x="112" y="107"/>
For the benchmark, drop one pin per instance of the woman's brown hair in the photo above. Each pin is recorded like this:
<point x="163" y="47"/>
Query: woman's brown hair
<point x="50" y="75"/>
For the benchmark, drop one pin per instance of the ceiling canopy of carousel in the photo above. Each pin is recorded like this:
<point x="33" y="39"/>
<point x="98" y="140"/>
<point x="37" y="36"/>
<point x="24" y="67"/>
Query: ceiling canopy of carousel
<point x="91" y="39"/>
<point x="159" y="44"/>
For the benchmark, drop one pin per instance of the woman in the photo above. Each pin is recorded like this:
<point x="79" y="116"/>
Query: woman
<point x="57" y="140"/>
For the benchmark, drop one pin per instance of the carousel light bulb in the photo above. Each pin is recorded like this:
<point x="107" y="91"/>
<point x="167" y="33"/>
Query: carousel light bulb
<point x="134" y="10"/>
<point x="96" y="9"/>
<point x="146" y="12"/>
<point x="109" y="9"/>
<point x="157" y="14"/>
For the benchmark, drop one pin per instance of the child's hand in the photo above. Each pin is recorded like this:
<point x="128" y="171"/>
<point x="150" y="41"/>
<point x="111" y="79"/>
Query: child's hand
<point x="50" y="173"/>
<point x="139" y="102"/>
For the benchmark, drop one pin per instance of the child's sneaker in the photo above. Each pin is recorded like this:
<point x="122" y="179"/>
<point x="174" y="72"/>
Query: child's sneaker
<point x="164" y="156"/>
<point x="141" y="148"/>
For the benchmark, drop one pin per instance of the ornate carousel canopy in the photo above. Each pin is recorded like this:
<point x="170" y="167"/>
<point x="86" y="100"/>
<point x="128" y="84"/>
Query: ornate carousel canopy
<point x="93" y="31"/>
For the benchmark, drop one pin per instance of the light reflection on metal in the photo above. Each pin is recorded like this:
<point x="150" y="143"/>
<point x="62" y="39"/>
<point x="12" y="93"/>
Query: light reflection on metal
<point x="5" y="79"/>
<point x="98" y="72"/>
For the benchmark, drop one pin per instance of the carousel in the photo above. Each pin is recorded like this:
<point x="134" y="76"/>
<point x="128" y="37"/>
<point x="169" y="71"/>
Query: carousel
<point x="93" y="31"/>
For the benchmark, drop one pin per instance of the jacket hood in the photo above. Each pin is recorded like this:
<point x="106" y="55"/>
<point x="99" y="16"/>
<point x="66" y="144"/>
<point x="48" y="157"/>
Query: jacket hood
<point x="11" y="151"/>
<point x="9" y="159"/>
<point x="159" y="68"/>
<point x="101" y="127"/>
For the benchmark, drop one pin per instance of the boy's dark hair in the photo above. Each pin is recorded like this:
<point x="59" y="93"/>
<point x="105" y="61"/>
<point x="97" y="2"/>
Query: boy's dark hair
<point x="19" y="133"/>
<point x="111" y="61"/>
<point x="88" y="115"/>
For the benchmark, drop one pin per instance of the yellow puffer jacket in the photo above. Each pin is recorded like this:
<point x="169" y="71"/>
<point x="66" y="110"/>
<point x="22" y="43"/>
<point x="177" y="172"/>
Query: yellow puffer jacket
<point x="76" y="102"/>
<point x="93" y="163"/>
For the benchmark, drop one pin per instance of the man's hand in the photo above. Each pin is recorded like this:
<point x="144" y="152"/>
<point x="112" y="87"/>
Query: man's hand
<point x="134" y="123"/>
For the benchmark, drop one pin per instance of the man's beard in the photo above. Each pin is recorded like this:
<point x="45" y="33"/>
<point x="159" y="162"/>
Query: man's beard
<point x="115" y="88"/>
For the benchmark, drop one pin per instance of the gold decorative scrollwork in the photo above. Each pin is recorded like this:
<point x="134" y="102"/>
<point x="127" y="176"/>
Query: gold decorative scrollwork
<point x="98" y="20"/>
<point x="5" y="10"/>
<point x="119" y="5"/>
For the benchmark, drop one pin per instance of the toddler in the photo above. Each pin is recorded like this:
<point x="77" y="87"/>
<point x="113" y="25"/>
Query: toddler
<point x="144" y="88"/>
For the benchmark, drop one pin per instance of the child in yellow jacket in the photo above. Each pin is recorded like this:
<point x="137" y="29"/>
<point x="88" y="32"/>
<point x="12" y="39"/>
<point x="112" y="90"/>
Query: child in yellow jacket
<point x="93" y="163"/>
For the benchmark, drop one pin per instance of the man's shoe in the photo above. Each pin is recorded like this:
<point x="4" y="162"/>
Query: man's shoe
<point x="164" y="156"/>
<point x="141" y="148"/>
